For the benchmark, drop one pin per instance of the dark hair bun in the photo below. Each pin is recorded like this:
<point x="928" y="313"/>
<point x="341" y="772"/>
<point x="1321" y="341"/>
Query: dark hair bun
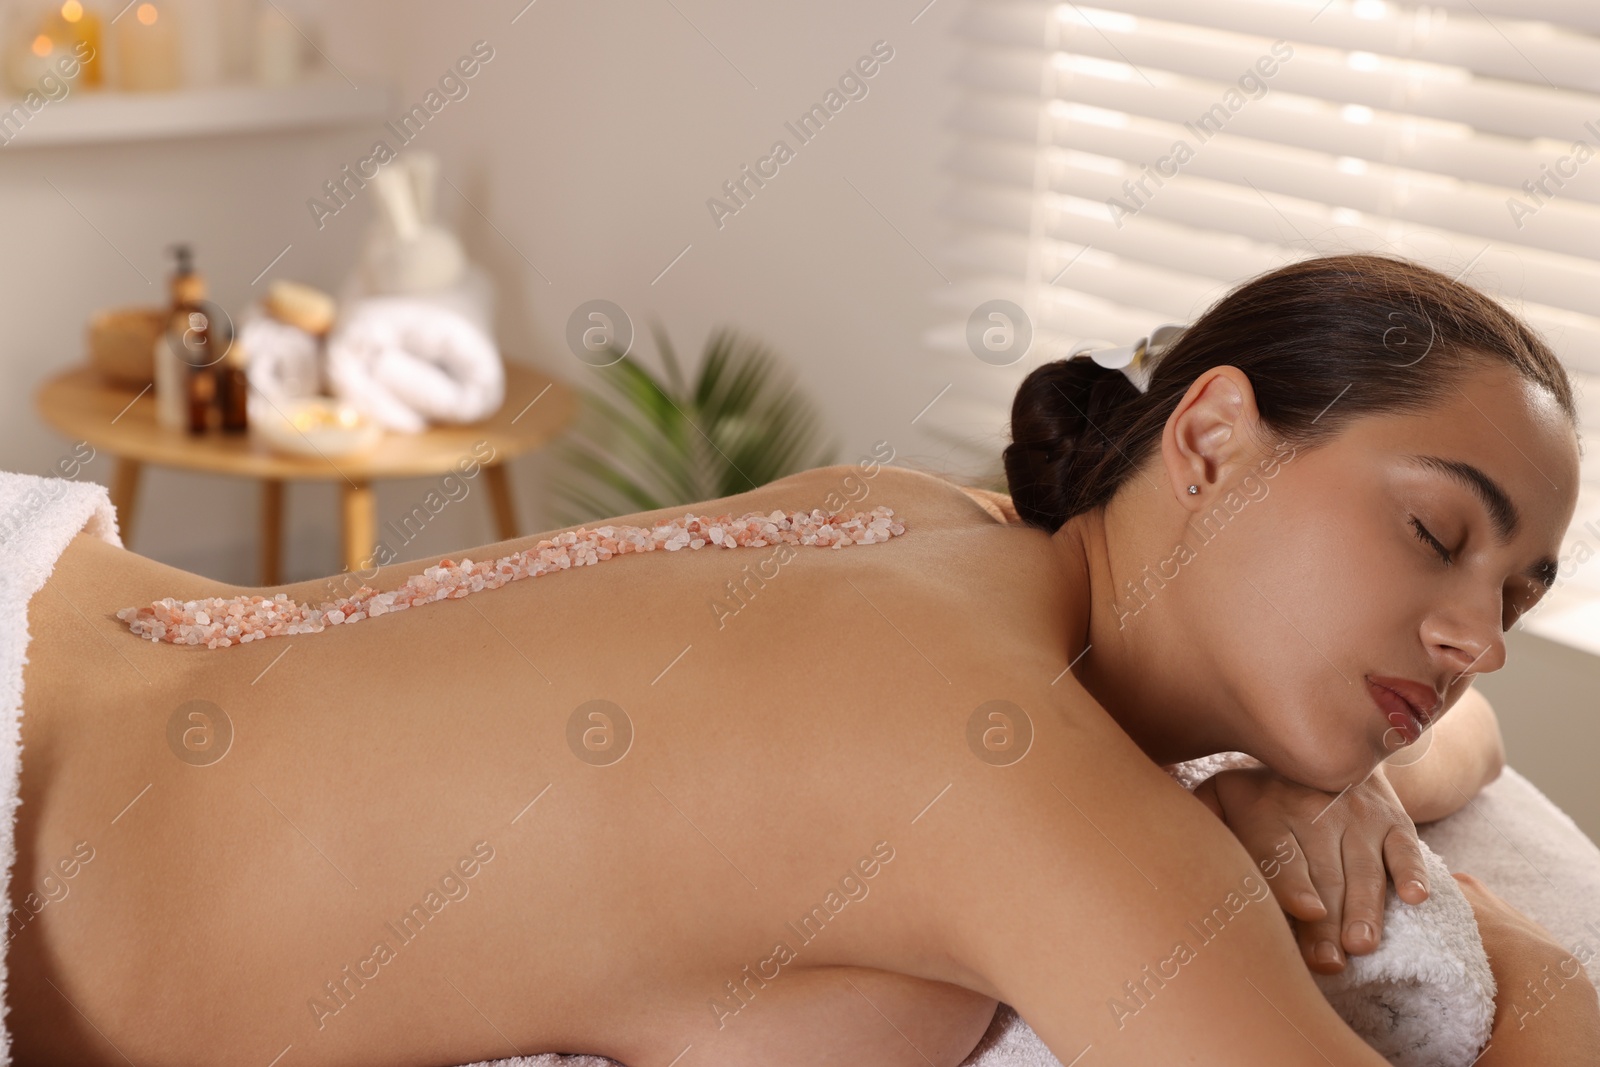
<point x="1350" y="327"/>
<point x="1063" y="421"/>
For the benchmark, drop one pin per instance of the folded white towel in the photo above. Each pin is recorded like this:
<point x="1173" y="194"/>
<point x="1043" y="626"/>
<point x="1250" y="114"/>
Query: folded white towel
<point x="283" y="361"/>
<point x="407" y="362"/>
<point x="1425" y="996"/>
<point x="38" y="518"/>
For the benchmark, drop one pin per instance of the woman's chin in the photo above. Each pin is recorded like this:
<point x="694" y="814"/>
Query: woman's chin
<point x="1331" y="776"/>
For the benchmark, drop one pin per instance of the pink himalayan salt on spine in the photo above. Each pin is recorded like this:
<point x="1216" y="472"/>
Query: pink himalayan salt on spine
<point x="220" y="623"/>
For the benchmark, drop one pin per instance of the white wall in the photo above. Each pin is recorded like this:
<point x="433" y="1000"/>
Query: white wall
<point x="595" y="137"/>
<point x="1544" y="699"/>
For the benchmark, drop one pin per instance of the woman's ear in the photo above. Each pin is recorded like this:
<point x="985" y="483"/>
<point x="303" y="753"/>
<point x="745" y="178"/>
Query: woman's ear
<point x="1211" y="432"/>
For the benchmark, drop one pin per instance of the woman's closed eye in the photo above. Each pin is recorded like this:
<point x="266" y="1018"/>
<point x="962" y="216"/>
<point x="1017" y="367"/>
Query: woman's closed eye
<point x="1513" y="609"/>
<point x="1430" y="540"/>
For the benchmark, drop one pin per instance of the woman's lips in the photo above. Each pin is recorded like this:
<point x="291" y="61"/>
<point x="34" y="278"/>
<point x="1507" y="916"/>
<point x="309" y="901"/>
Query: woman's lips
<point x="1424" y="699"/>
<point x="1399" y="714"/>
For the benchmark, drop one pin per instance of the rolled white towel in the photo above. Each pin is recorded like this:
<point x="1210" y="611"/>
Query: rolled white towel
<point x="1425" y="996"/>
<point x="283" y="361"/>
<point x="408" y="362"/>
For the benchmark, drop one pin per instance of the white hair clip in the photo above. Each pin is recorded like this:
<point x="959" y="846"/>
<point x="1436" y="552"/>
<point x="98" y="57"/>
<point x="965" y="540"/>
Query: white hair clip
<point x="1136" y="360"/>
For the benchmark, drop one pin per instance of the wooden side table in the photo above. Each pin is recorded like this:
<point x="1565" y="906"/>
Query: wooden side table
<point x="121" y="421"/>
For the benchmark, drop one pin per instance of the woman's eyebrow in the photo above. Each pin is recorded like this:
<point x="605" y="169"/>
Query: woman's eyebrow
<point x="1503" y="514"/>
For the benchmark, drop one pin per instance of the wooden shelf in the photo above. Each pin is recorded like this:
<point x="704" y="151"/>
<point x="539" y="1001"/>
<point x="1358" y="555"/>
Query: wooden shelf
<point x="102" y="117"/>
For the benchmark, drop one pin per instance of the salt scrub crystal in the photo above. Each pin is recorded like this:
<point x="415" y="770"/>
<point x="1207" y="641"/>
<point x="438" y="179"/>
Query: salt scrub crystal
<point x="219" y="623"/>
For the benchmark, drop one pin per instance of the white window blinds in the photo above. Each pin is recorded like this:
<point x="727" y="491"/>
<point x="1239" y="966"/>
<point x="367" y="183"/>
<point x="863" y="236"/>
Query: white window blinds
<point x="1122" y="164"/>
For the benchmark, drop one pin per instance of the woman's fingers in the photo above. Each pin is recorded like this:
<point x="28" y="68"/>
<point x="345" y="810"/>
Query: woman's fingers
<point x="1335" y="882"/>
<point x="1320" y="938"/>
<point x="1291" y="880"/>
<point x="1404" y="857"/>
<point x="1366" y="885"/>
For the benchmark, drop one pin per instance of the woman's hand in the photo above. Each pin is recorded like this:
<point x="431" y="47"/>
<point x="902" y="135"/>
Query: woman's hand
<point x="1325" y="855"/>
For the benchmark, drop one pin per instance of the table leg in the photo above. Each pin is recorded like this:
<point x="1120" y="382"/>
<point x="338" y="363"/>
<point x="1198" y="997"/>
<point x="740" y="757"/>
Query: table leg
<point x="505" y="506"/>
<point x="360" y="523"/>
<point x="271" y="529"/>
<point x="125" y="496"/>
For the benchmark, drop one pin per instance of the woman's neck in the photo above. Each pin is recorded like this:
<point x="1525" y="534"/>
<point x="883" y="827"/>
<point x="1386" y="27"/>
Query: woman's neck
<point x="1144" y="671"/>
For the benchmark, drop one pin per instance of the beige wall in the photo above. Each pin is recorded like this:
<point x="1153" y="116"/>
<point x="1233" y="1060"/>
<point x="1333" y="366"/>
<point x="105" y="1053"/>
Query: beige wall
<point x="1546" y="700"/>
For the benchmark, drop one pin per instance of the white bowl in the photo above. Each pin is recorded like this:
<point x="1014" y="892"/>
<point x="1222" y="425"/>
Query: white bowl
<point x="316" y="427"/>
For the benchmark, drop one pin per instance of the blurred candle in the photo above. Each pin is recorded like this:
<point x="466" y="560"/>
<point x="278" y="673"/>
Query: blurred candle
<point x="46" y="42"/>
<point x="148" y="49"/>
<point x="79" y="25"/>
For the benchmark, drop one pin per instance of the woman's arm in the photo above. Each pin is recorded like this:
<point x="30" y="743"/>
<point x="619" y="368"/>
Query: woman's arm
<point x="1546" y="1010"/>
<point x="1466" y="753"/>
<point x="1123" y="921"/>
<point x="1129" y="928"/>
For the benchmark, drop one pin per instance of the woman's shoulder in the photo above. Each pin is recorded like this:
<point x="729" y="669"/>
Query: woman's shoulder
<point x="852" y="484"/>
<point x="1018" y="779"/>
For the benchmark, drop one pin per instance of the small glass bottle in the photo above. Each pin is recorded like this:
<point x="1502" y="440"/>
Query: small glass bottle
<point x="175" y="349"/>
<point x="200" y="382"/>
<point x="233" y="391"/>
<point x="202" y="398"/>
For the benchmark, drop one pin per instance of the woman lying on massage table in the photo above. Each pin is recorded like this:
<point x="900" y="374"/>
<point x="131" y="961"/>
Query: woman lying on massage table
<point x="793" y="806"/>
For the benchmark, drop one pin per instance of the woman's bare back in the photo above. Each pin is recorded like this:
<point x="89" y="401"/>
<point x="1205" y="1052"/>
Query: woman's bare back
<point x="674" y="802"/>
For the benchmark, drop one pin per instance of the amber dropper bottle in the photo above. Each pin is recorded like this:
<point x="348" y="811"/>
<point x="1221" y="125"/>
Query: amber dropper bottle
<point x="202" y="377"/>
<point x="233" y="390"/>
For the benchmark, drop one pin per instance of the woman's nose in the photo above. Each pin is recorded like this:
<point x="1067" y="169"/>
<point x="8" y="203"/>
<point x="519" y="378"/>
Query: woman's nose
<point x="1467" y="643"/>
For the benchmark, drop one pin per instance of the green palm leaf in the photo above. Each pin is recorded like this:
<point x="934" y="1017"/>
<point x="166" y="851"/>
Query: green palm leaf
<point x="641" y="443"/>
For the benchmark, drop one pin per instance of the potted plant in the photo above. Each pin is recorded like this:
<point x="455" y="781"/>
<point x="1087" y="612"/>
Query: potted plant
<point x="641" y="443"/>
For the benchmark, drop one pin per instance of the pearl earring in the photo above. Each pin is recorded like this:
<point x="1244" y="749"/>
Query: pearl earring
<point x="1193" y="489"/>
